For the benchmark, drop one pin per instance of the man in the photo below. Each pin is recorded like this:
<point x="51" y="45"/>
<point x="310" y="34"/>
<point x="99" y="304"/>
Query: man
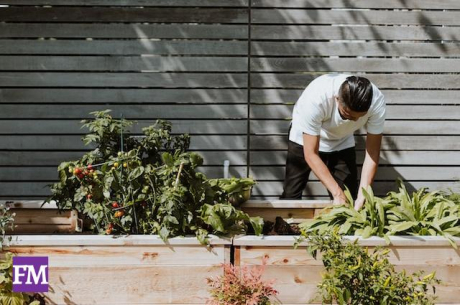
<point x="321" y="137"/>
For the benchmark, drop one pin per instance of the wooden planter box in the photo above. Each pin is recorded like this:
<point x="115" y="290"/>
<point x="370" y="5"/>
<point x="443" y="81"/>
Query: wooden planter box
<point x="296" y="211"/>
<point x="297" y="273"/>
<point x="31" y="218"/>
<point x="136" y="269"/>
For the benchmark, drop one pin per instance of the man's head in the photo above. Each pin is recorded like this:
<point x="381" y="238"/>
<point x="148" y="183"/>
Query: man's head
<point x="355" y="97"/>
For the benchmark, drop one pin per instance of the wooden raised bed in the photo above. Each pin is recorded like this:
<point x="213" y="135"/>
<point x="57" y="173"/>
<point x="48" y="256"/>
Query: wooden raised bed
<point x="31" y="218"/>
<point x="296" y="211"/>
<point x="136" y="269"/>
<point x="297" y="273"/>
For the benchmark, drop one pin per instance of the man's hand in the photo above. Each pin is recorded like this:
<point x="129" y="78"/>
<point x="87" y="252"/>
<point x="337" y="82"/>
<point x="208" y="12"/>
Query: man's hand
<point x="339" y="198"/>
<point x="359" y="202"/>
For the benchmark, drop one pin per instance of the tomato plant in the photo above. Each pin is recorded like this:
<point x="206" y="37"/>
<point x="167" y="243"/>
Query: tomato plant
<point x="145" y="185"/>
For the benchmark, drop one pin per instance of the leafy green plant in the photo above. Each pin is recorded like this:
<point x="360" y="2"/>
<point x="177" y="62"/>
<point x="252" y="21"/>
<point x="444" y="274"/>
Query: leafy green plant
<point x="356" y="277"/>
<point x="399" y="213"/>
<point x="145" y="185"/>
<point x="7" y="296"/>
<point x="241" y="286"/>
<point x="6" y="223"/>
<point x="237" y="190"/>
<point x="369" y="221"/>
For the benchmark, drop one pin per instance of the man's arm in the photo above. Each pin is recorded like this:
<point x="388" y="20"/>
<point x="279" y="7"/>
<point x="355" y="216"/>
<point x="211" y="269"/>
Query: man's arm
<point x="371" y="162"/>
<point x="310" y="150"/>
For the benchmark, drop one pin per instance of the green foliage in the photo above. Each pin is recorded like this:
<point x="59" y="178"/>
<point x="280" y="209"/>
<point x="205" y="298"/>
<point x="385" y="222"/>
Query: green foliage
<point x="6" y="222"/>
<point x="399" y="213"/>
<point x="7" y="296"/>
<point x="151" y="188"/>
<point x="354" y="276"/>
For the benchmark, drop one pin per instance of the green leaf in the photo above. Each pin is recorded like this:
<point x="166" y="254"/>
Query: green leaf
<point x="137" y="172"/>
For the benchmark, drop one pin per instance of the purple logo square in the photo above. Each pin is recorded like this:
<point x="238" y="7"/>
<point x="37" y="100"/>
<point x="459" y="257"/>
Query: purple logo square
<point x="30" y="274"/>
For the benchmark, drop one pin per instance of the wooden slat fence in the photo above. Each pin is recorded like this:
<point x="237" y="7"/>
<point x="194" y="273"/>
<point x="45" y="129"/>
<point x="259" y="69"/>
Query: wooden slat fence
<point x="228" y="72"/>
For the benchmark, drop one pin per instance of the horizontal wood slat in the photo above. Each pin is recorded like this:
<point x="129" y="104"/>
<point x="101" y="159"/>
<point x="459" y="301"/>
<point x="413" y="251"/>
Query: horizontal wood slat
<point x="114" y="14"/>
<point x="78" y="79"/>
<point x="393" y="112"/>
<point x="217" y="111"/>
<point x="380" y="188"/>
<point x="123" y="96"/>
<point x="134" y="31"/>
<point x="354" y="49"/>
<point x="343" y="65"/>
<point x="415" y="158"/>
<point x="366" y="17"/>
<point x="389" y="4"/>
<point x="125" y="63"/>
<point x="143" y="3"/>
<point x="290" y="96"/>
<point x="350" y="32"/>
<point x="383" y="81"/>
<point x="195" y="127"/>
<point x="384" y="173"/>
<point x="53" y="158"/>
<point x="72" y="142"/>
<point x="120" y="47"/>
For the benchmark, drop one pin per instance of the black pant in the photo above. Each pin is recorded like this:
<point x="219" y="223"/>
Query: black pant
<point x="341" y="164"/>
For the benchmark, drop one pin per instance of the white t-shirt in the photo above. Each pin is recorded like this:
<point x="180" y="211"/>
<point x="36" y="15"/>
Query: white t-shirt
<point x="316" y="113"/>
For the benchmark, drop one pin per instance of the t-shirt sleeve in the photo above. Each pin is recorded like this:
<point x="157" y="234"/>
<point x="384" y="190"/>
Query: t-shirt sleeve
<point x="377" y="119"/>
<point x="308" y="118"/>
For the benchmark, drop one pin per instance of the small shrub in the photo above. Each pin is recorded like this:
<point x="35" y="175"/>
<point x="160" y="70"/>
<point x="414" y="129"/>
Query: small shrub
<point x="354" y="276"/>
<point x="241" y="286"/>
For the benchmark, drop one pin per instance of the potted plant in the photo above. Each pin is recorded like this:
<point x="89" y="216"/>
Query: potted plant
<point x="237" y="190"/>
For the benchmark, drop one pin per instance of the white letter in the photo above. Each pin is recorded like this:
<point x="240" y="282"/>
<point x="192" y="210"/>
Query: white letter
<point x="36" y="277"/>
<point x="18" y="274"/>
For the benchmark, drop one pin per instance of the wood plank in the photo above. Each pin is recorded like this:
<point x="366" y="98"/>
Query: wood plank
<point x="350" y="32"/>
<point x="125" y="63"/>
<point x="137" y="31"/>
<point x="192" y="127"/>
<point x="290" y="96"/>
<point x="72" y="142"/>
<point x="413" y="4"/>
<point x="393" y="112"/>
<point x="108" y="240"/>
<point x="45" y="216"/>
<point x="278" y="64"/>
<point x="300" y="16"/>
<point x="267" y="131"/>
<point x="290" y="215"/>
<point x="50" y="173"/>
<point x="275" y="188"/>
<point x="382" y="81"/>
<point x="132" y="112"/>
<point x="122" y="47"/>
<point x="116" y="256"/>
<point x="122" y="96"/>
<point x="120" y="14"/>
<point x="384" y="173"/>
<point x="414" y="158"/>
<point x="144" y="80"/>
<point x="284" y="241"/>
<point x="143" y="3"/>
<point x="166" y="284"/>
<point x="355" y="49"/>
<point x="53" y="158"/>
<point x="286" y="204"/>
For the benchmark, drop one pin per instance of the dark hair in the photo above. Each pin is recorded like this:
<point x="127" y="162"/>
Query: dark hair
<point x="356" y="93"/>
